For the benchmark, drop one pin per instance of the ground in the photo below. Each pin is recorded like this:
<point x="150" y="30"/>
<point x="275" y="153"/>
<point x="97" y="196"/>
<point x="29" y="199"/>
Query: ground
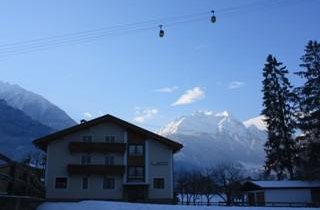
<point x="104" y="205"/>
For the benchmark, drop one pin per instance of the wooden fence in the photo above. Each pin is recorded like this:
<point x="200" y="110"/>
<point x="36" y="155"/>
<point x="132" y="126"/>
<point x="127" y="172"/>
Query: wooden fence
<point x="266" y="204"/>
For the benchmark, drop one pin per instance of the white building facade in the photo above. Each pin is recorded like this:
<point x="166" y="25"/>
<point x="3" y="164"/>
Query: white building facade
<point x="109" y="159"/>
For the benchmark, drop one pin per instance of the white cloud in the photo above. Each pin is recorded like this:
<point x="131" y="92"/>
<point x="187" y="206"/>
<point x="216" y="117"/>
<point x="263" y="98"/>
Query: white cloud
<point x="143" y="114"/>
<point x="167" y="89"/>
<point x="87" y="115"/>
<point x="236" y="85"/>
<point x="190" y="96"/>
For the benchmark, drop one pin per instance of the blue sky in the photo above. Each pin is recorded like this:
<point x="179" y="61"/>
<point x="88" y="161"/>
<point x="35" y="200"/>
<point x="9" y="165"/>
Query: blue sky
<point x="150" y="80"/>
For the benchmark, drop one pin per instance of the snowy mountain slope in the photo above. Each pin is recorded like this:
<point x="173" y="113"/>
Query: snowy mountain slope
<point x="258" y="122"/>
<point x="35" y="106"/>
<point x="210" y="138"/>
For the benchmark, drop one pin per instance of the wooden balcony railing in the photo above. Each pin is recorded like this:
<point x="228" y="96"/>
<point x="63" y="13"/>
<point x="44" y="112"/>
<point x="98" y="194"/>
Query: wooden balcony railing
<point x="78" y="169"/>
<point x="96" y="147"/>
<point x="135" y="161"/>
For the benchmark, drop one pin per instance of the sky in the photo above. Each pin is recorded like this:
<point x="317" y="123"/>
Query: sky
<point x="140" y="77"/>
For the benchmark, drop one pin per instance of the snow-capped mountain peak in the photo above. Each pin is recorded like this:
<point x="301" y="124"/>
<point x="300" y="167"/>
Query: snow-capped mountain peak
<point x="212" y="137"/>
<point x="35" y="106"/>
<point x="257" y="122"/>
<point x="223" y="114"/>
<point x="201" y="122"/>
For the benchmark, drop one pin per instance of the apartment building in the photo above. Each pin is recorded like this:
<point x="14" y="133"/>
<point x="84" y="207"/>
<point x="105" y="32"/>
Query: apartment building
<point x="108" y="158"/>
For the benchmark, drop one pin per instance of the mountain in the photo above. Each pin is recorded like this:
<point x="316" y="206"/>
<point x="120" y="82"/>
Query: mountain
<point x="17" y="130"/>
<point x="35" y="106"/>
<point x="257" y="122"/>
<point x="210" y="138"/>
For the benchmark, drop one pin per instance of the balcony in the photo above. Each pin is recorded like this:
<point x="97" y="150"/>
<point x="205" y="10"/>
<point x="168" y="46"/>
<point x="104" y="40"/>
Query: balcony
<point x="113" y="170"/>
<point x="136" y="160"/>
<point x="96" y="147"/>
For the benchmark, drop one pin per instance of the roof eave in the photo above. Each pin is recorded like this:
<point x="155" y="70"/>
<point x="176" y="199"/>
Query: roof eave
<point x="43" y="142"/>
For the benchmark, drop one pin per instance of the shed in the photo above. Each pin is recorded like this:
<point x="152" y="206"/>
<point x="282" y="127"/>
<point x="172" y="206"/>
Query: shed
<point x="282" y="193"/>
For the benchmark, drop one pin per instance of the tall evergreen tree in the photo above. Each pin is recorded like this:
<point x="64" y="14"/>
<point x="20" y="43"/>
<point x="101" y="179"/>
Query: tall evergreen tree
<point x="280" y="148"/>
<point x="308" y="98"/>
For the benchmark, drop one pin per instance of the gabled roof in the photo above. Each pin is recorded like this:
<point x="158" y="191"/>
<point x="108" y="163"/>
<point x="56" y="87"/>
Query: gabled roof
<point x="284" y="184"/>
<point x="43" y="142"/>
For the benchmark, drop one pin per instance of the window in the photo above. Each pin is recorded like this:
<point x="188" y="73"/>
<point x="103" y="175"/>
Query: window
<point x="61" y="182"/>
<point x="85" y="181"/>
<point x="158" y="183"/>
<point x="109" y="160"/>
<point x="108" y="182"/>
<point x="136" y="150"/>
<point x="85" y="159"/>
<point x="135" y="173"/>
<point x="110" y="139"/>
<point x="87" y="139"/>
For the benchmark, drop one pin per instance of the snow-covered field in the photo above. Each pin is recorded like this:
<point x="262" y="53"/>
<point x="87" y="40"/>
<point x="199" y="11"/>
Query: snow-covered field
<point x="104" y="205"/>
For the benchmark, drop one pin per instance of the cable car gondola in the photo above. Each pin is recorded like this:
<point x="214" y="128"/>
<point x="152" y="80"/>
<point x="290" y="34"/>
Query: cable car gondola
<point x="213" y="17"/>
<point x="161" y="32"/>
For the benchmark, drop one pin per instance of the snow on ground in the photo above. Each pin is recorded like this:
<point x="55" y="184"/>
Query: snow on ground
<point x="105" y="205"/>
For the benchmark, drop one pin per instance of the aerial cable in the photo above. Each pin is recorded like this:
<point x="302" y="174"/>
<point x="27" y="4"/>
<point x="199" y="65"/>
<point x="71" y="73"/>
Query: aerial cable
<point x="79" y="37"/>
<point x="142" y="23"/>
<point x="34" y="45"/>
<point x="106" y="29"/>
<point x="72" y="42"/>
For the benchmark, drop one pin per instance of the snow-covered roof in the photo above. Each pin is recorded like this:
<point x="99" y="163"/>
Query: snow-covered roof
<point x="287" y="184"/>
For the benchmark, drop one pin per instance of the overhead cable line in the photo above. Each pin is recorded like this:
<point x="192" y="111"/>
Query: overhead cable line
<point x="46" y="43"/>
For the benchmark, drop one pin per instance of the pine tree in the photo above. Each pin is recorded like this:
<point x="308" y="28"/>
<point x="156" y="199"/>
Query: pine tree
<point x="308" y="100"/>
<point x="280" y="147"/>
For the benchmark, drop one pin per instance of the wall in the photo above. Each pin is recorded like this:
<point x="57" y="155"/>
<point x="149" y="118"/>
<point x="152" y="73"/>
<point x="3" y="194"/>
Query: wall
<point x="159" y="165"/>
<point x="287" y="195"/>
<point x="59" y="157"/>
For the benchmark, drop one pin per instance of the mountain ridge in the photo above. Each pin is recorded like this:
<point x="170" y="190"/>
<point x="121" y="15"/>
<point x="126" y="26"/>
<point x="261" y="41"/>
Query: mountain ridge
<point x="35" y="106"/>
<point x="213" y="137"/>
<point x="17" y="130"/>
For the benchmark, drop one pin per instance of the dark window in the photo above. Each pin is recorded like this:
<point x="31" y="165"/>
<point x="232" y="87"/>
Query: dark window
<point x="87" y="138"/>
<point x="158" y="183"/>
<point x="110" y="139"/>
<point x="108" y="182"/>
<point x="61" y="182"/>
<point x="85" y="159"/>
<point x="136" y="150"/>
<point x="109" y="160"/>
<point x="85" y="181"/>
<point x="135" y="173"/>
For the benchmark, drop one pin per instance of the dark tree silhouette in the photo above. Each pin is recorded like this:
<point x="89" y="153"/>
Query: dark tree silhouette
<point x="280" y="147"/>
<point x="226" y="175"/>
<point x="308" y="111"/>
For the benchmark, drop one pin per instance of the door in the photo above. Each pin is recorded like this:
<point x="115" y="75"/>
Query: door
<point x="136" y="193"/>
<point x="315" y="196"/>
<point x="260" y="199"/>
<point x="251" y="200"/>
